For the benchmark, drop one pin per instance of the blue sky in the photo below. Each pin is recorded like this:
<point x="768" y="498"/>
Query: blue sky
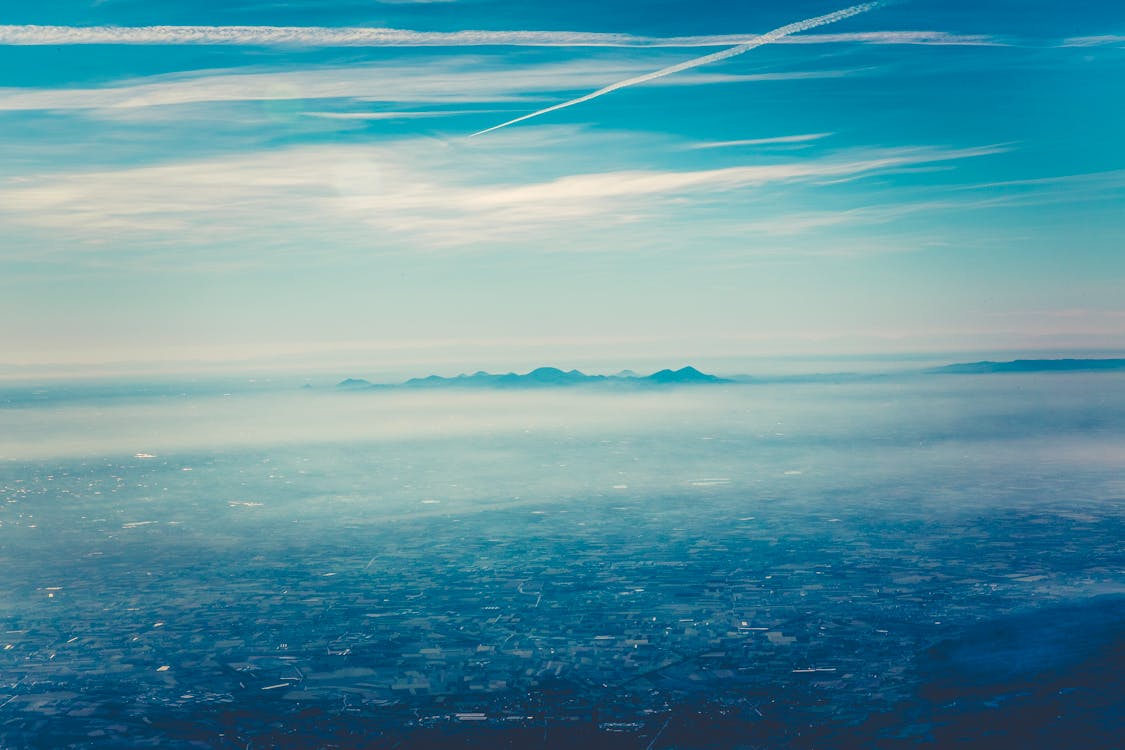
<point x="187" y="182"/>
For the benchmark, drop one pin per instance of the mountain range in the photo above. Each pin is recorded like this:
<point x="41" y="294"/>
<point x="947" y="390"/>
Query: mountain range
<point x="548" y="377"/>
<point x="1030" y="365"/>
<point x="553" y="377"/>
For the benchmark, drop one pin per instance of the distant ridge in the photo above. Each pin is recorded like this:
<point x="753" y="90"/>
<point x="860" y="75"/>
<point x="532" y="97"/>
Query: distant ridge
<point x="683" y="375"/>
<point x="354" y="383"/>
<point x="1030" y="365"/>
<point x="548" y="377"/>
<point x="554" y="377"/>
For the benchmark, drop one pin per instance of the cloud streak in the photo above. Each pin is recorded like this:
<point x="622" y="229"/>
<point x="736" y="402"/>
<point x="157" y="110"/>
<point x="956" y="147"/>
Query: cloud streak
<point x="779" y="139"/>
<point x="396" y="115"/>
<point x="450" y="79"/>
<point x="769" y="36"/>
<point x="413" y="197"/>
<point x="323" y="36"/>
<point x="1105" y="40"/>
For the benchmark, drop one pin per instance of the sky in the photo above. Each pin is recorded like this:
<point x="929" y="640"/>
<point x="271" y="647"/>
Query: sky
<point x="200" y="183"/>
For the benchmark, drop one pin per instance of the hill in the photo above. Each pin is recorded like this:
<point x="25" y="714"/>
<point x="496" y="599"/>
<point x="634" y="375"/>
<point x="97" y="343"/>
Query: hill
<point x="550" y="377"/>
<point x="1030" y="365"/>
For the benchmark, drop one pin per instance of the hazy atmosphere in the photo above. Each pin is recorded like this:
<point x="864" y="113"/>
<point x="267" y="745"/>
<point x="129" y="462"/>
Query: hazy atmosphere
<point x="875" y="563"/>
<point x="626" y="375"/>
<point x="186" y="183"/>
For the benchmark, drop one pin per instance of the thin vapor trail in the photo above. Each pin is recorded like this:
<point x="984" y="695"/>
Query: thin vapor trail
<point x="769" y="36"/>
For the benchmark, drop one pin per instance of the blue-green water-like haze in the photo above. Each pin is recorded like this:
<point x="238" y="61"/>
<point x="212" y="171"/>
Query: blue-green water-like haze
<point x="878" y="563"/>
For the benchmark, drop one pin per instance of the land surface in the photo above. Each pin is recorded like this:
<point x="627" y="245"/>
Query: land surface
<point x="888" y="564"/>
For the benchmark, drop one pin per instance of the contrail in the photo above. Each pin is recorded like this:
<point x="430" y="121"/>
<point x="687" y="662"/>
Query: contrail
<point x="769" y="36"/>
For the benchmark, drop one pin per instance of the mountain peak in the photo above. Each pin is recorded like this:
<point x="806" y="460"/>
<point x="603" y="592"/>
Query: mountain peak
<point x="354" y="383"/>
<point x="684" y="375"/>
<point x="549" y="377"/>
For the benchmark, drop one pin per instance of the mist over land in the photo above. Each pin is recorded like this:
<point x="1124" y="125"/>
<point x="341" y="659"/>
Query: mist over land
<point x="314" y="427"/>
<point x="899" y="560"/>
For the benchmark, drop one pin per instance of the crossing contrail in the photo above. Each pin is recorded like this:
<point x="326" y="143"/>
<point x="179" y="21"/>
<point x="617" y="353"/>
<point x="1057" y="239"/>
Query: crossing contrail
<point x="769" y="36"/>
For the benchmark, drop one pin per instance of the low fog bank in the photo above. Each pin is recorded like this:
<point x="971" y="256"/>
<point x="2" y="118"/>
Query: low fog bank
<point x="919" y="410"/>
<point x="208" y="559"/>
<point x="218" y="463"/>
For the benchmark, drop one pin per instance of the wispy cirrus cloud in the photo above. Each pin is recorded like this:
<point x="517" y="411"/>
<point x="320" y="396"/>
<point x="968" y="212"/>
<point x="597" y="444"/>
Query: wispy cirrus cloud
<point x="396" y="115"/>
<point x="1111" y="177"/>
<point x="802" y="222"/>
<point x="590" y="189"/>
<point x="932" y="38"/>
<point x="325" y="36"/>
<point x="1104" y="40"/>
<point x="415" y="197"/>
<point x="442" y="80"/>
<point x="1105" y="185"/>
<point x="779" y="139"/>
<point x="1007" y="194"/>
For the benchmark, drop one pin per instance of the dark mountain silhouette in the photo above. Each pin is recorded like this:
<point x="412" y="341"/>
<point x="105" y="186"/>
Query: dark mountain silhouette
<point x="354" y="383"/>
<point x="1030" y="365"/>
<point x="554" y="377"/>
<point x="550" y="377"/>
<point x="683" y="375"/>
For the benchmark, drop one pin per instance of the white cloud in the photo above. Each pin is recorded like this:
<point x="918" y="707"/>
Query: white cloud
<point x="780" y="139"/>
<point x="694" y="78"/>
<point x="440" y="81"/>
<point x="321" y="36"/>
<point x="811" y="221"/>
<point x="312" y="36"/>
<point x="1104" y="40"/>
<point x="1109" y="179"/>
<point x="933" y="38"/>
<point x="393" y="115"/>
<point x="445" y="80"/>
<point x="417" y="196"/>
<point x="1090" y="187"/>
